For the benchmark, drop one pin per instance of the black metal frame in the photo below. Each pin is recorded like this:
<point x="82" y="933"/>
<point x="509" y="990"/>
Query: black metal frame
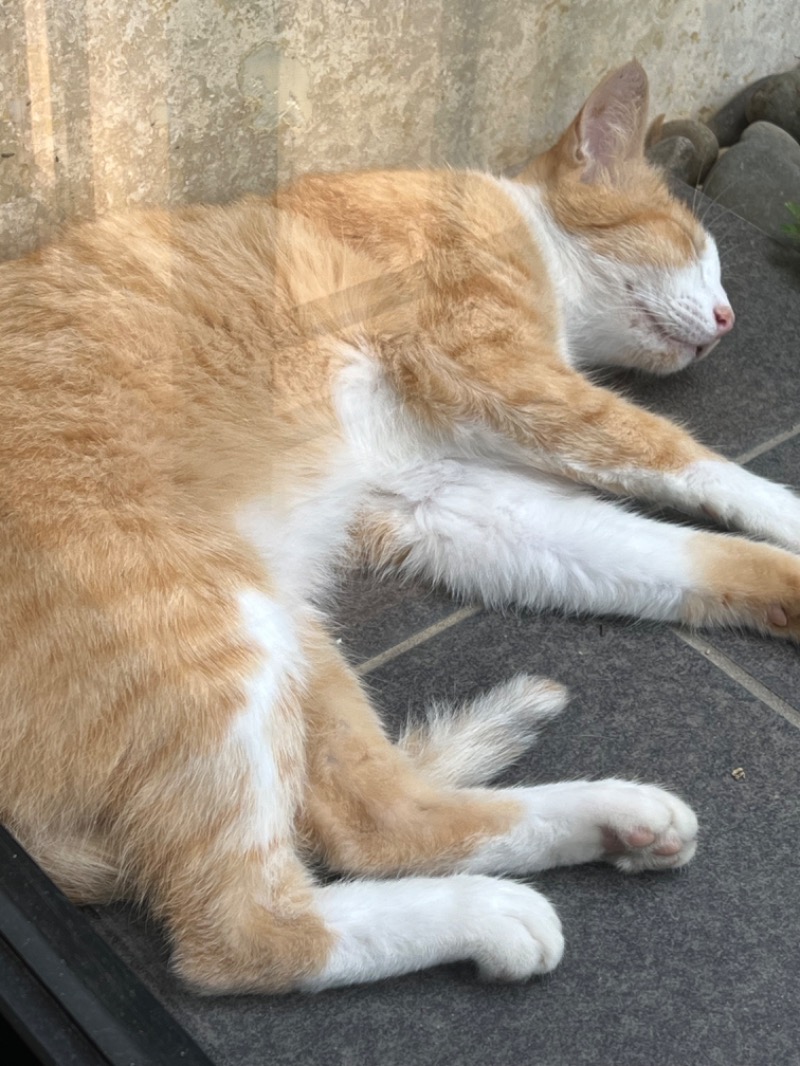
<point x="65" y="992"/>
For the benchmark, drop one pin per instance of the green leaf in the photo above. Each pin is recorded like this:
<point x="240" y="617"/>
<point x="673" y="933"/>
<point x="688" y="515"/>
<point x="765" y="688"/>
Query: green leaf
<point x="793" y="228"/>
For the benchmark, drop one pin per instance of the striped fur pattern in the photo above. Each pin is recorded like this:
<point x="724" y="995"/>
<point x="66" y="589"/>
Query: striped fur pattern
<point x="203" y="413"/>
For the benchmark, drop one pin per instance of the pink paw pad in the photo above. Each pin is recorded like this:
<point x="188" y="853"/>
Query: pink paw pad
<point x="639" y="837"/>
<point x="617" y="843"/>
<point x="670" y="846"/>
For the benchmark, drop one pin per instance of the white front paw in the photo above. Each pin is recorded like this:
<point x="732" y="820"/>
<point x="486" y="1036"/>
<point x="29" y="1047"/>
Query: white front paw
<point x="644" y="827"/>
<point x="740" y="499"/>
<point x="511" y="931"/>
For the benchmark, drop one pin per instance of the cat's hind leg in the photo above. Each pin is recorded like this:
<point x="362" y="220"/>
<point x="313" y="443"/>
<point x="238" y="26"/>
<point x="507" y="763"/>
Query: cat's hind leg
<point x="251" y="744"/>
<point x="228" y="819"/>
<point x="508" y="929"/>
<point x="633" y="826"/>
<point x="206" y="813"/>
<point x="370" y="809"/>
<point x="374" y="807"/>
<point x="506" y="536"/>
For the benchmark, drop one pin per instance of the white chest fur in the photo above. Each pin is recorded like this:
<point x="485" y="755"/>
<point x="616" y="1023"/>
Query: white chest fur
<point x="300" y="528"/>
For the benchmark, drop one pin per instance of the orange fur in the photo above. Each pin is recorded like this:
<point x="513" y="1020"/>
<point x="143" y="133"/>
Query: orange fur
<point x="381" y="817"/>
<point x="745" y="582"/>
<point x="158" y="372"/>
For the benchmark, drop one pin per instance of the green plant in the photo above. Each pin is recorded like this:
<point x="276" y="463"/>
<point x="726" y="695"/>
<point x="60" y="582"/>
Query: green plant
<point x="793" y="228"/>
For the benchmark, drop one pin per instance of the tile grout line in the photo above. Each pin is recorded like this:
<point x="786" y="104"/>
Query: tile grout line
<point x="768" y="445"/>
<point x="740" y="676"/>
<point x="417" y="638"/>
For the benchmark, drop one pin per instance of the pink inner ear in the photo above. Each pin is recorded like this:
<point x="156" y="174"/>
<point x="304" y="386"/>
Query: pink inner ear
<point x="601" y="135"/>
<point x="613" y="121"/>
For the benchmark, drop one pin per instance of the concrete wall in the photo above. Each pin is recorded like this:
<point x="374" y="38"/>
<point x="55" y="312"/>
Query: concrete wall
<point x="111" y="102"/>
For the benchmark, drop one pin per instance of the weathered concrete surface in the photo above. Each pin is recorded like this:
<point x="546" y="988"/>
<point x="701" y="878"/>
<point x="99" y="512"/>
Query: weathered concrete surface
<point x="105" y="103"/>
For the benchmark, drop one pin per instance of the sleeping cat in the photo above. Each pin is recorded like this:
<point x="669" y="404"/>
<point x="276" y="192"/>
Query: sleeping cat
<point x="202" y="413"/>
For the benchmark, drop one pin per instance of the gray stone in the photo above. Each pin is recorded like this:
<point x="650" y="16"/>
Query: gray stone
<point x="757" y="177"/>
<point x="678" y="156"/>
<point x="704" y="141"/>
<point x="778" y="102"/>
<point x="729" y="122"/>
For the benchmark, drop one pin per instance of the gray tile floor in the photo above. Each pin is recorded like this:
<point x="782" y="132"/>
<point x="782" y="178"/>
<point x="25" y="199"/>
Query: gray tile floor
<point x="694" y="968"/>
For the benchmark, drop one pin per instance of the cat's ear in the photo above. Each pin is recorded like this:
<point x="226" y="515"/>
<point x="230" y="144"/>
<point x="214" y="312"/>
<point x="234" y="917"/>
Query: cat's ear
<point x="610" y="128"/>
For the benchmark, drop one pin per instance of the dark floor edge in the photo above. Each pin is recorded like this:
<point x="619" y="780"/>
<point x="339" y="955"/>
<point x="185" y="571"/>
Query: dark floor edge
<point x="94" y="1001"/>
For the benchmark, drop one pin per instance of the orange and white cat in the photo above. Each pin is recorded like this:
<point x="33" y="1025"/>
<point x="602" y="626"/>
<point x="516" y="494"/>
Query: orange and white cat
<point x="201" y="411"/>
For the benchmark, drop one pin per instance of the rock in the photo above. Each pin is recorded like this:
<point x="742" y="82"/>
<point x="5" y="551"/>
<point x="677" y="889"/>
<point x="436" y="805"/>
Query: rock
<point x="758" y="177"/>
<point x="704" y="141"/>
<point x="653" y="135"/>
<point x="778" y="102"/>
<point x="678" y="156"/>
<point x="729" y="122"/>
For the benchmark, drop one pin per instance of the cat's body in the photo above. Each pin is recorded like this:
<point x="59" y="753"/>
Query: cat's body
<point x="200" y="411"/>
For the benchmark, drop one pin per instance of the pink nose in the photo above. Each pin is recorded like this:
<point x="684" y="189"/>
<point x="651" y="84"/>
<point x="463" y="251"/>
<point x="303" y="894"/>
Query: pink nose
<point x="724" y="317"/>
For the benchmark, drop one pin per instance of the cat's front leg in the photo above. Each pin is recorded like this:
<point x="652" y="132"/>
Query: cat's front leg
<point x="504" y="536"/>
<point x="542" y="414"/>
<point x="603" y="440"/>
<point x="729" y="495"/>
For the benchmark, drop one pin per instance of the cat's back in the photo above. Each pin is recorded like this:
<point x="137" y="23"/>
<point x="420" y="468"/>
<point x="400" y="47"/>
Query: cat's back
<point x="153" y="330"/>
<point x="88" y="335"/>
<point x="135" y="285"/>
<point x="455" y="222"/>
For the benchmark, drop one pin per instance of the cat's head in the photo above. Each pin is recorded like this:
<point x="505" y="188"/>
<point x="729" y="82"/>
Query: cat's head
<point x="645" y="274"/>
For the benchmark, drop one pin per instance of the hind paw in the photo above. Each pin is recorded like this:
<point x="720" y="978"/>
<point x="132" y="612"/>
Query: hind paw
<point x="644" y="827"/>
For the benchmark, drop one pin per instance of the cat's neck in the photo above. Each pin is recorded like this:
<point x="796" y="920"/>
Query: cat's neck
<point x="568" y="268"/>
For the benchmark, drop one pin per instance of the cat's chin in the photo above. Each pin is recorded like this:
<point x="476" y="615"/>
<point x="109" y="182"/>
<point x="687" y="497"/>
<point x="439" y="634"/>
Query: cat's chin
<point x="675" y="359"/>
<point x="668" y="354"/>
<point x="706" y="349"/>
<point x="671" y="362"/>
<point x="663" y="361"/>
<point x="682" y="356"/>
